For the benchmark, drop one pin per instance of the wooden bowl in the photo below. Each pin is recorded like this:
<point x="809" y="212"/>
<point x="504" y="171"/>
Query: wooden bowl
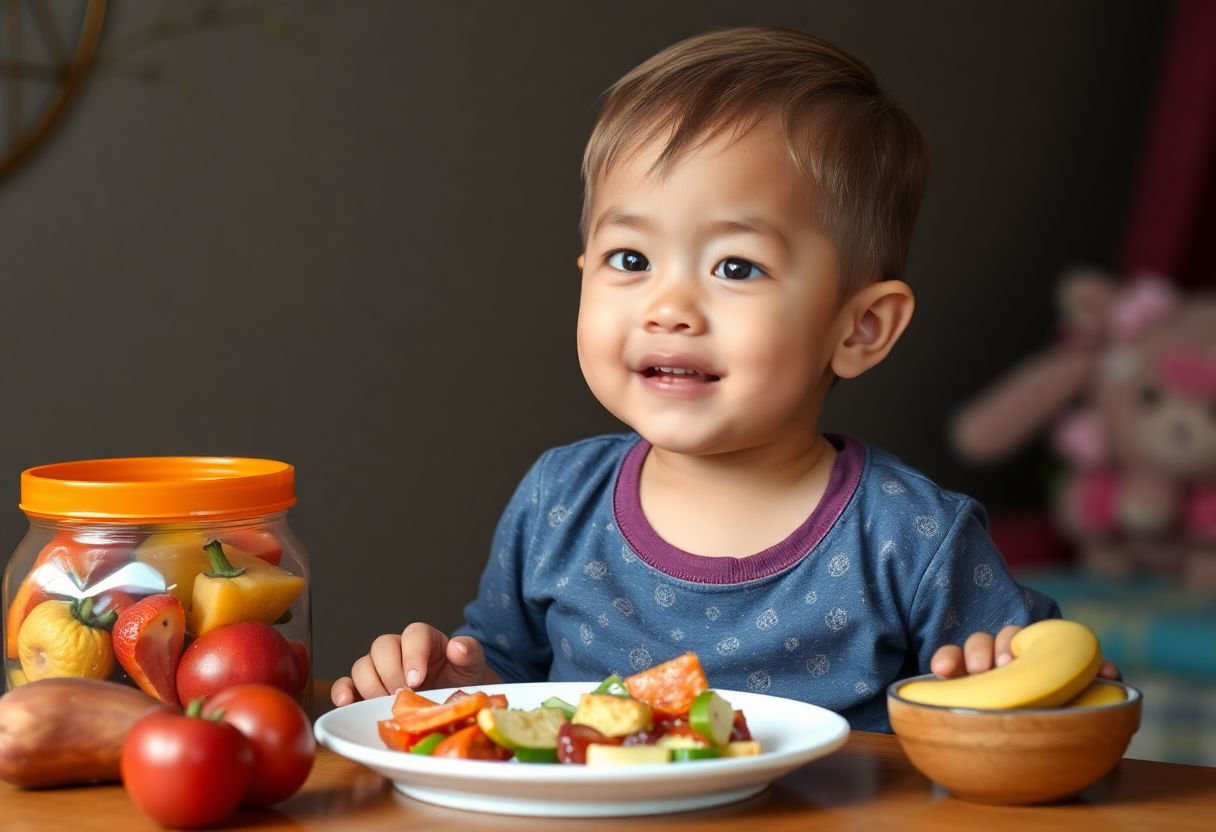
<point x="1014" y="756"/>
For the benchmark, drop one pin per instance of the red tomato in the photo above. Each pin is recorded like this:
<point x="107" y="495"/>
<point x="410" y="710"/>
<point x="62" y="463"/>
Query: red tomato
<point x="392" y="735"/>
<point x="470" y="743"/>
<point x="254" y="541"/>
<point x="573" y="739"/>
<point x="112" y="599"/>
<point x="82" y="557"/>
<point x="248" y="652"/>
<point x="185" y="771"/>
<point x="740" y="731"/>
<point x="303" y="665"/>
<point x="280" y="734"/>
<point x="670" y="687"/>
<point x="441" y="717"/>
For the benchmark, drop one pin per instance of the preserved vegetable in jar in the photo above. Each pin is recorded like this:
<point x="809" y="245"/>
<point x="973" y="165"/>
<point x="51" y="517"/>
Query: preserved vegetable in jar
<point x="169" y="574"/>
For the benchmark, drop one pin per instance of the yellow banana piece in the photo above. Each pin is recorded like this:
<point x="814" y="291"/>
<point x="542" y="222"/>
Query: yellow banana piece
<point x="1098" y="693"/>
<point x="1053" y="661"/>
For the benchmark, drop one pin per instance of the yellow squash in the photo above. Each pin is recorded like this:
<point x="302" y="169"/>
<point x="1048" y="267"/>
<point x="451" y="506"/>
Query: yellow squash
<point x="180" y="558"/>
<point x="64" y="638"/>
<point x="239" y="590"/>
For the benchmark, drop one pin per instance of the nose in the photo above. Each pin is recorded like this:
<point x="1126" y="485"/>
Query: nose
<point x="674" y="306"/>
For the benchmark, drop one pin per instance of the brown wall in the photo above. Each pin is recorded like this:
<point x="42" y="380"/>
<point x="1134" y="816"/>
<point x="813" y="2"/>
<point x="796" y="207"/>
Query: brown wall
<point x="355" y="252"/>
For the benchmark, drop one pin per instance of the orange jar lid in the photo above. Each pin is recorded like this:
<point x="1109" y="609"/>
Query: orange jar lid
<point x="158" y="488"/>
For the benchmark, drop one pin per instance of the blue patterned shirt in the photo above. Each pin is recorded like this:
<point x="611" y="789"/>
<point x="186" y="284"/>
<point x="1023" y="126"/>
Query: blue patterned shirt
<point x="886" y="569"/>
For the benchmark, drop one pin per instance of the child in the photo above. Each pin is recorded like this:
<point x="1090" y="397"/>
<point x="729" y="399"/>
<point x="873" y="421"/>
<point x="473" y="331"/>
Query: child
<point x="750" y="195"/>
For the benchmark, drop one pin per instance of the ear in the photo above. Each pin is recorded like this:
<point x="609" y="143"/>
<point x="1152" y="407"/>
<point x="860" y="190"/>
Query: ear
<point x="873" y="320"/>
<point x="581" y="259"/>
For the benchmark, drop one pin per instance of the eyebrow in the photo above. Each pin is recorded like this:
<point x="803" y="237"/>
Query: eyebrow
<point x="744" y="225"/>
<point x="624" y="220"/>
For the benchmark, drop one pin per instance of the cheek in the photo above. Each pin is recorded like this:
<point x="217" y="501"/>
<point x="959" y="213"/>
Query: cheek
<point x="779" y="346"/>
<point x="598" y="336"/>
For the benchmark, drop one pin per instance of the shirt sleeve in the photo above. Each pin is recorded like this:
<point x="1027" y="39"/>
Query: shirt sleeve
<point x="967" y="589"/>
<point x="511" y="628"/>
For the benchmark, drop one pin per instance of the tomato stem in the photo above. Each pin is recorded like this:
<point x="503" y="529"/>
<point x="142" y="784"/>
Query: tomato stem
<point x="195" y="710"/>
<point x="82" y="609"/>
<point x="220" y="567"/>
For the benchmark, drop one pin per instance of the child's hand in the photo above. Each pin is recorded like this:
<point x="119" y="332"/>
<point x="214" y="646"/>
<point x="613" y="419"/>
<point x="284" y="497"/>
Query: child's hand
<point x="982" y="652"/>
<point x="421" y="657"/>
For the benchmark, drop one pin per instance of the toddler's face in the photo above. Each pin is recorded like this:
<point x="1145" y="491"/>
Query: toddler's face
<point x="710" y="298"/>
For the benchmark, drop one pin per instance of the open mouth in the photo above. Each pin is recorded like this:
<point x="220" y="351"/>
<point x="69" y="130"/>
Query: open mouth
<point x="678" y="373"/>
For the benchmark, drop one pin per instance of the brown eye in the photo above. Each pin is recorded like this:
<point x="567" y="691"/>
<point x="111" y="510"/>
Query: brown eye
<point x="629" y="261"/>
<point x="1150" y="397"/>
<point x="736" y="268"/>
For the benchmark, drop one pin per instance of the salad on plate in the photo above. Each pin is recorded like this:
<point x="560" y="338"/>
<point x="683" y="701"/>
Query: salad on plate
<point x="665" y="714"/>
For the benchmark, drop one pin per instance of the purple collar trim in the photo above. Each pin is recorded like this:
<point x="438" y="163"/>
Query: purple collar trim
<point x="654" y="550"/>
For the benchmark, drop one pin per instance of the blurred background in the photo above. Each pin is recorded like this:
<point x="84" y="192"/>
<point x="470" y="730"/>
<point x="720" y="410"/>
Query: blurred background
<point x="344" y="235"/>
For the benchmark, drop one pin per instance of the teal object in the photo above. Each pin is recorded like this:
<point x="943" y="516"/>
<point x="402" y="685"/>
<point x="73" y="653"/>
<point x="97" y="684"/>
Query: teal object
<point x="1144" y="624"/>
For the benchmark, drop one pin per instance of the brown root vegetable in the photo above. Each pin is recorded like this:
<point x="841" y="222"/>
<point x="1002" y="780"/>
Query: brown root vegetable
<point x="57" y="732"/>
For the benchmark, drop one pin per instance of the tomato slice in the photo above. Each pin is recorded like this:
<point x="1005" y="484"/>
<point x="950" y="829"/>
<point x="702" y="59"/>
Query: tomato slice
<point x="437" y="717"/>
<point x="259" y="542"/>
<point x="669" y="688"/>
<point x="497" y="700"/>
<point x="470" y="743"/>
<point x="396" y="737"/>
<point x="739" y="731"/>
<point x="408" y="700"/>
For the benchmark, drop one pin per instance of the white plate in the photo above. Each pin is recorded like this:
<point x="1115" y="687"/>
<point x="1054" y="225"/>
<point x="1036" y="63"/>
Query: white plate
<point x="791" y="733"/>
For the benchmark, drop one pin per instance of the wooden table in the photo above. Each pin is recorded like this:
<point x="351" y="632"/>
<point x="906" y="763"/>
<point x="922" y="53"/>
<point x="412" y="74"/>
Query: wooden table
<point x="868" y="784"/>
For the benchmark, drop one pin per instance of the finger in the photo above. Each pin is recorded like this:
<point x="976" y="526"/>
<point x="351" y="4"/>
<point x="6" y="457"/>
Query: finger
<point x="1002" y="649"/>
<point x="423" y="652"/>
<point x="466" y="661"/>
<point x="1109" y="670"/>
<point x="343" y="691"/>
<point x="386" y="660"/>
<point x="977" y="652"/>
<point x="366" y="679"/>
<point x="947" y="661"/>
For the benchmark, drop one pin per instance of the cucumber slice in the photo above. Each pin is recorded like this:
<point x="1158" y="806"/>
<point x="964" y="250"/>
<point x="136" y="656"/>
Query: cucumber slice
<point x="613" y="686"/>
<point x="684" y="755"/>
<point x="536" y="755"/>
<point x="427" y="744"/>
<point x="712" y="717"/>
<point x="559" y="704"/>
<point x="513" y="729"/>
<point x="599" y="754"/>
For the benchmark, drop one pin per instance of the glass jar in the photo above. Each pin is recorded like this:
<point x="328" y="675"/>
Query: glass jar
<point x="178" y="575"/>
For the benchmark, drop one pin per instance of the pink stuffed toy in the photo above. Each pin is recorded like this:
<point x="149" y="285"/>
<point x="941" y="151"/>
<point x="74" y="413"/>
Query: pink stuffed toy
<point x="1129" y="392"/>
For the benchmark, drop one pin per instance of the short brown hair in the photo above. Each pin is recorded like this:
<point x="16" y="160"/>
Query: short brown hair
<point x="864" y="154"/>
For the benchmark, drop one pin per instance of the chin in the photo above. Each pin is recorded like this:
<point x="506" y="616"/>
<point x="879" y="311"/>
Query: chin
<point x="684" y="441"/>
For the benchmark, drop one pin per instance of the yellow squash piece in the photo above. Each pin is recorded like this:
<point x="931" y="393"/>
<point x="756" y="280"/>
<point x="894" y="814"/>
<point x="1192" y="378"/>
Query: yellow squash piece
<point x="599" y="754"/>
<point x="16" y="677"/>
<point x="64" y="638"/>
<point x="240" y="590"/>
<point x="1054" y="660"/>
<point x="612" y="716"/>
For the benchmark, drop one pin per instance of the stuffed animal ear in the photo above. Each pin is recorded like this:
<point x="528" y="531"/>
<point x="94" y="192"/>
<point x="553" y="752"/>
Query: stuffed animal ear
<point x="1083" y="296"/>
<point x="1005" y="416"/>
<point x="1010" y="412"/>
